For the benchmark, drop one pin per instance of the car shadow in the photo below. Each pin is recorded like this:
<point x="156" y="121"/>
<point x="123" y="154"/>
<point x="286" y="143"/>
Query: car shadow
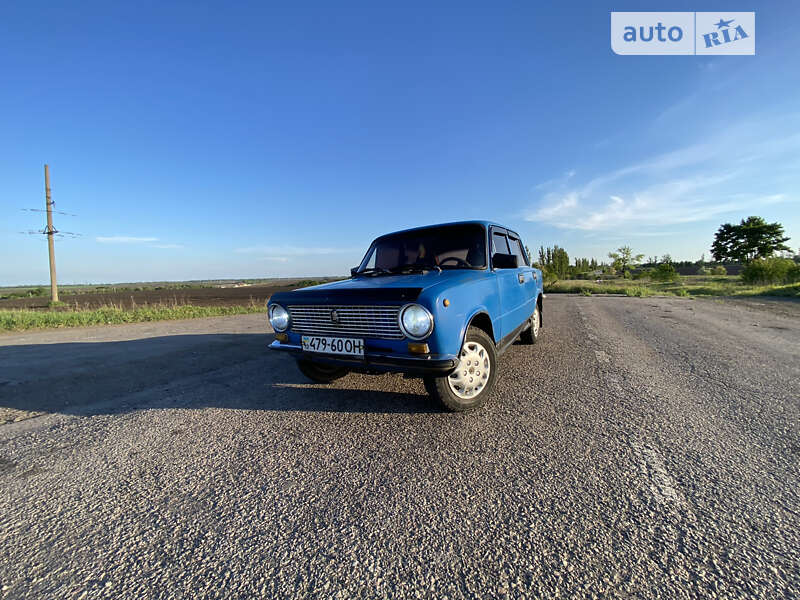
<point x="234" y="371"/>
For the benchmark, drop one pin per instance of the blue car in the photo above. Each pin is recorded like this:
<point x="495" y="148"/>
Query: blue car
<point x="440" y="302"/>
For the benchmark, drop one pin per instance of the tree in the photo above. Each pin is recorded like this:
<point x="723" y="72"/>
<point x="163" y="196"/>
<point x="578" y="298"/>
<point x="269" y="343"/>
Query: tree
<point x="624" y="258"/>
<point x="770" y="270"/>
<point x="582" y="265"/>
<point x="560" y="262"/>
<point x="664" y="272"/>
<point x="667" y="259"/>
<point x="554" y="261"/>
<point x="751" y="238"/>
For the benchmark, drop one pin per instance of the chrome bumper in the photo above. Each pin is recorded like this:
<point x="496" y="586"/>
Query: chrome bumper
<point x="432" y="364"/>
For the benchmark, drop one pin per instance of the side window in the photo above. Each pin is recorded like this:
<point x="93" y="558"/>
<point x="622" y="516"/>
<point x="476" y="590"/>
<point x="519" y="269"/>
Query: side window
<point x="499" y="243"/>
<point x="516" y="249"/>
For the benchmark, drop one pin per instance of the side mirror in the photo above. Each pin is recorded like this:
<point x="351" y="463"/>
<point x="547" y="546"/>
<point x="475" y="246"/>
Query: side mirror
<point x="353" y="271"/>
<point x="504" y="261"/>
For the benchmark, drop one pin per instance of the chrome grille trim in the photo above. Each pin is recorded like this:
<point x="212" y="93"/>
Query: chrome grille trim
<point x="355" y="321"/>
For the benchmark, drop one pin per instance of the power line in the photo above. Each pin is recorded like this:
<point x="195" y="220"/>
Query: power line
<point x="56" y="232"/>
<point x="55" y="212"/>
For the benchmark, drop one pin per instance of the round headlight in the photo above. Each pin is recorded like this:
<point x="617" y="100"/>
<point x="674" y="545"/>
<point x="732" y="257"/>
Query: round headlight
<point x="278" y="317"/>
<point x="415" y="321"/>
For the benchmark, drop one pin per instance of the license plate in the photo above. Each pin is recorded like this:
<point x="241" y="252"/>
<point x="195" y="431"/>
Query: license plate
<point x="333" y="345"/>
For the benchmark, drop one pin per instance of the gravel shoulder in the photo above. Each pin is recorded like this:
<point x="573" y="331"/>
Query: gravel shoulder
<point x="645" y="447"/>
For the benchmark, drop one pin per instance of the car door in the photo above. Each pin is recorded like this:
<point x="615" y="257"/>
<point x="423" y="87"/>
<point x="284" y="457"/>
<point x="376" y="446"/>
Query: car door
<point x="527" y="276"/>
<point x="512" y="290"/>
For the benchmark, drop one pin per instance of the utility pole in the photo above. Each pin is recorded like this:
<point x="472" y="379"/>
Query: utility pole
<point x="50" y="232"/>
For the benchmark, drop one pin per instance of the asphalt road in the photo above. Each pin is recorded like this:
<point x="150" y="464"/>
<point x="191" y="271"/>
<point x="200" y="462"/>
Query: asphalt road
<point x="645" y="448"/>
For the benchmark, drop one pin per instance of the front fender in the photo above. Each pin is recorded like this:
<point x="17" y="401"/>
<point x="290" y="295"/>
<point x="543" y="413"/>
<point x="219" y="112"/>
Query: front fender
<point x="480" y="312"/>
<point x="465" y="301"/>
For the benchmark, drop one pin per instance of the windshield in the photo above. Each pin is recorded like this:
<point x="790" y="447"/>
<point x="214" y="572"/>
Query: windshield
<point x="444" y="247"/>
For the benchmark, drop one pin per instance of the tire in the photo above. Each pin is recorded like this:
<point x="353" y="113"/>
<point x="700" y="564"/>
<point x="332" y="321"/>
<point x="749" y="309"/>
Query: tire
<point x="320" y="373"/>
<point x="530" y="335"/>
<point x="478" y="349"/>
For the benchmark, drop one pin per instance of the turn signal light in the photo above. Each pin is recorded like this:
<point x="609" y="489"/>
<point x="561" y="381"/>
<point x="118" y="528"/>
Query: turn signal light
<point x="281" y="337"/>
<point x="416" y="348"/>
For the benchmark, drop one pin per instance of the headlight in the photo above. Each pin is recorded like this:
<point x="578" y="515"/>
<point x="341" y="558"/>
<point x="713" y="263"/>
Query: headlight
<point x="416" y="321"/>
<point x="278" y="317"/>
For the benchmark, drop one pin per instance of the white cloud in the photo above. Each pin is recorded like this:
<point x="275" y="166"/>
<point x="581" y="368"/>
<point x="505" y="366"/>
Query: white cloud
<point x="740" y="168"/>
<point x="556" y="181"/>
<point x="556" y="205"/>
<point x="121" y="239"/>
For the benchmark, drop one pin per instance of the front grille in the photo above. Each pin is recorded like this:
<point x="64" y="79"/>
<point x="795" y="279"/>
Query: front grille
<point x="354" y="321"/>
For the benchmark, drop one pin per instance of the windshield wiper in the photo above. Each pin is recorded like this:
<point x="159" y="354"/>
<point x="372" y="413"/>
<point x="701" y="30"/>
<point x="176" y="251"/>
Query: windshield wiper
<point x="375" y="271"/>
<point x="412" y="269"/>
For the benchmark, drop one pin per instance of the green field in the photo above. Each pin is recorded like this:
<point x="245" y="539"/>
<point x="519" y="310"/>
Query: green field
<point x="690" y="285"/>
<point x="19" y="320"/>
<point x="28" y="308"/>
<point x="29" y="291"/>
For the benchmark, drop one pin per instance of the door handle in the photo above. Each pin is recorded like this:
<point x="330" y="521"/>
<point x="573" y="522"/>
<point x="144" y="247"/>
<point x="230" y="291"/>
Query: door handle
<point x="521" y="277"/>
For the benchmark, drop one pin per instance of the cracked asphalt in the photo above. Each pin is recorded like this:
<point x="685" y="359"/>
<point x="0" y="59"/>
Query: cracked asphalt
<point x="644" y="448"/>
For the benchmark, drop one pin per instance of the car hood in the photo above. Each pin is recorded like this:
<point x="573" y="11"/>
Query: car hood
<point x="378" y="288"/>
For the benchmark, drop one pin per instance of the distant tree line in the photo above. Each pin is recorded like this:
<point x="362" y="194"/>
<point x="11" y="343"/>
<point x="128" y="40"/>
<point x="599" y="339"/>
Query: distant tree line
<point x="753" y="243"/>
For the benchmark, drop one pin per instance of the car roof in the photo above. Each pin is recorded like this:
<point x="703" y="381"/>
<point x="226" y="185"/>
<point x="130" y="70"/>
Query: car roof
<point x="477" y="222"/>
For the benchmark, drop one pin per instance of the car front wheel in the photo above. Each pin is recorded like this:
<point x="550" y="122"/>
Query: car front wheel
<point x="468" y="387"/>
<point x="320" y="373"/>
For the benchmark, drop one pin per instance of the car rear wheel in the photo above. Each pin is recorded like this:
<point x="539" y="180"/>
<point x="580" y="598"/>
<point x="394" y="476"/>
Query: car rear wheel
<point x="468" y="387"/>
<point x="321" y="373"/>
<point x="530" y="335"/>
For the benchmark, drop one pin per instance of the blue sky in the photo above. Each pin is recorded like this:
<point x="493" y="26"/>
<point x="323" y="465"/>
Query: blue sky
<point x="208" y="140"/>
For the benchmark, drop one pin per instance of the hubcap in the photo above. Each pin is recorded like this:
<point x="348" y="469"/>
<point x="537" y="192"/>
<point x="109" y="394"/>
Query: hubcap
<point x="535" y="324"/>
<point x="469" y="379"/>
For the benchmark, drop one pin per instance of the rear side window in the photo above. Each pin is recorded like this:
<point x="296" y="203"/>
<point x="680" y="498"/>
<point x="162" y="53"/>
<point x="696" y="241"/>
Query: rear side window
<point x="499" y="243"/>
<point x="516" y="250"/>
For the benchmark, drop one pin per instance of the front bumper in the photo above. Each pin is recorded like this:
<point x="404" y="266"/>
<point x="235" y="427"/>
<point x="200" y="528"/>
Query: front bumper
<point x="435" y="365"/>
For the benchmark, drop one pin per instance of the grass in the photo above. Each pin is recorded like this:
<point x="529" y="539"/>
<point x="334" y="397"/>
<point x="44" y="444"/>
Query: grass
<point x="8" y="293"/>
<point x="62" y="314"/>
<point x="587" y="288"/>
<point x="19" y="320"/>
<point x="791" y="290"/>
<point x="638" y="291"/>
<point x="688" y="286"/>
